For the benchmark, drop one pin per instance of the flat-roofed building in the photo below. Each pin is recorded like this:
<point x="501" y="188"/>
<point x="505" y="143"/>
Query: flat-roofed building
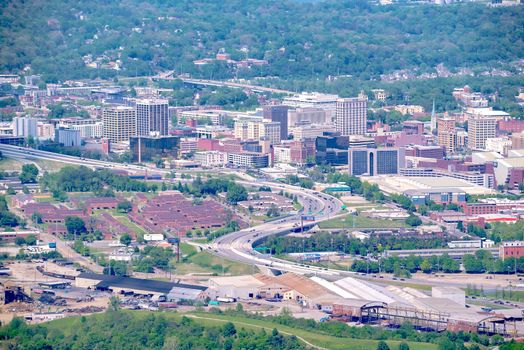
<point x="351" y="116"/>
<point x="326" y="102"/>
<point x="480" y="129"/>
<point x="152" y="117"/>
<point x="375" y="161"/>
<point x="248" y="160"/>
<point x="119" y="123"/>
<point x="310" y="131"/>
<point x="301" y="116"/>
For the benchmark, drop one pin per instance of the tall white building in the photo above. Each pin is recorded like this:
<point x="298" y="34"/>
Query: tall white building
<point x="325" y="102"/>
<point x="351" y="115"/>
<point x="25" y="127"/>
<point x="479" y="130"/>
<point x="152" y="117"/>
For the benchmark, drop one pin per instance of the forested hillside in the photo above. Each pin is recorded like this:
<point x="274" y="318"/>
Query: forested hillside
<point x="297" y="39"/>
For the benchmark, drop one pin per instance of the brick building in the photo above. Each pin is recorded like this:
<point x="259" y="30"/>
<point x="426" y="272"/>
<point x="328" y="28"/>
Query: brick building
<point x="513" y="249"/>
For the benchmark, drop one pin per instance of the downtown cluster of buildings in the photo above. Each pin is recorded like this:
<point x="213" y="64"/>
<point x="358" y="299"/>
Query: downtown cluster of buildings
<point x="441" y="157"/>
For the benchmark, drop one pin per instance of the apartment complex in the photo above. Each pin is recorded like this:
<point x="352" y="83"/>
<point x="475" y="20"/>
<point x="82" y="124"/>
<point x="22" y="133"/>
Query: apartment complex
<point x="119" y="123"/>
<point x="258" y="129"/>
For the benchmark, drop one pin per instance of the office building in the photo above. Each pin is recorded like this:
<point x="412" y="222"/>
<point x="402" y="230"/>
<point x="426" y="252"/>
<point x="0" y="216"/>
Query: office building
<point x="248" y="160"/>
<point x="152" y="117"/>
<point x="479" y="130"/>
<point x="145" y="148"/>
<point x="357" y="141"/>
<point x="332" y="149"/>
<point x="94" y="130"/>
<point x="310" y="131"/>
<point x="325" y="102"/>
<point x="119" y="123"/>
<point x="67" y="137"/>
<point x="486" y="113"/>
<point x="375" y="161"/>
<point x="278" y="114"/>
<point x="351" y="116"/>
<point x="300" y="116"/>
<point x="435" y="152"/>
<point x="211" y="158"/>
<point x="25" y="127"/>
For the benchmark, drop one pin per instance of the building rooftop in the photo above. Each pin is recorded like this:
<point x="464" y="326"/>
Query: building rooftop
<point x="107" y="281"/>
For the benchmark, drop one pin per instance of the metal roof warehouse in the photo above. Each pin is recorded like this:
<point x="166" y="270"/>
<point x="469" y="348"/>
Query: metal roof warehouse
<point x="119" y="284"/>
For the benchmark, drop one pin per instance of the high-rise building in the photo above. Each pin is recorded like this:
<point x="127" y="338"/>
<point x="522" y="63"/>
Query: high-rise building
<point x="351" y="116"/>
<point x="375" y="161"/>
<point x="480" y="128"/>
<point x="152" y="117"/>
<point x="447" y="134"/>
<point x="278" y="113"/>
<point x="325" y="102"/>
<point x="119" y="123"/>
<point x="25" y="127"/>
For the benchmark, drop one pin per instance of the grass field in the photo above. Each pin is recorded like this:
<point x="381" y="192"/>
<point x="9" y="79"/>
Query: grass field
<point x="318" y="340"/>
<point x="194" y="261"/>
<point x="350" y="221"/>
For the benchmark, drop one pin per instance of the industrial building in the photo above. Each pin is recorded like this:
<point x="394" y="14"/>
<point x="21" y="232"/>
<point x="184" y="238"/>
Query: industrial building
<point x="119" y="285"/>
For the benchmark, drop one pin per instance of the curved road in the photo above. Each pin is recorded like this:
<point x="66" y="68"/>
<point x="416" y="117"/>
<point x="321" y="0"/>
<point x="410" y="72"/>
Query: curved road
<point x="237" y="245"/>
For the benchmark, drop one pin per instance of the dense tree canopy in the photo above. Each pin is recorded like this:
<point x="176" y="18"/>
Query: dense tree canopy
<point x="359" y="39"/>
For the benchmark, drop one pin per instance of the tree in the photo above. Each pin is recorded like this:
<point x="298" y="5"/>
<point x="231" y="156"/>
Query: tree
<point x="229" y="329"/>
<point x="124" y="206"/>
<point x="425" y="266"/>
<point x="75" y="225"/>
<point x="382" y="345"/>
<point x="30" y="240"/>
<point x="19" y="241"/>
<point x="235" y="194"/>
<point x="125" y="239"/>
<point x="29" y="173"/>
<point x="413" y="221"/>
<point x="36" y="218"/>
<point x="403" y="346"/>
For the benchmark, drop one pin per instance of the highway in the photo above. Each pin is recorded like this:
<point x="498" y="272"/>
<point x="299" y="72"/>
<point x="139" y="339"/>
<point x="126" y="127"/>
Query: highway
<point x="237" y="245"/>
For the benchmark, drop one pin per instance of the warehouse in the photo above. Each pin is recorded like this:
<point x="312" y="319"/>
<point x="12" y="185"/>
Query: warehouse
<point x="121" y="285"/>
<point x="238" y="287"/>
